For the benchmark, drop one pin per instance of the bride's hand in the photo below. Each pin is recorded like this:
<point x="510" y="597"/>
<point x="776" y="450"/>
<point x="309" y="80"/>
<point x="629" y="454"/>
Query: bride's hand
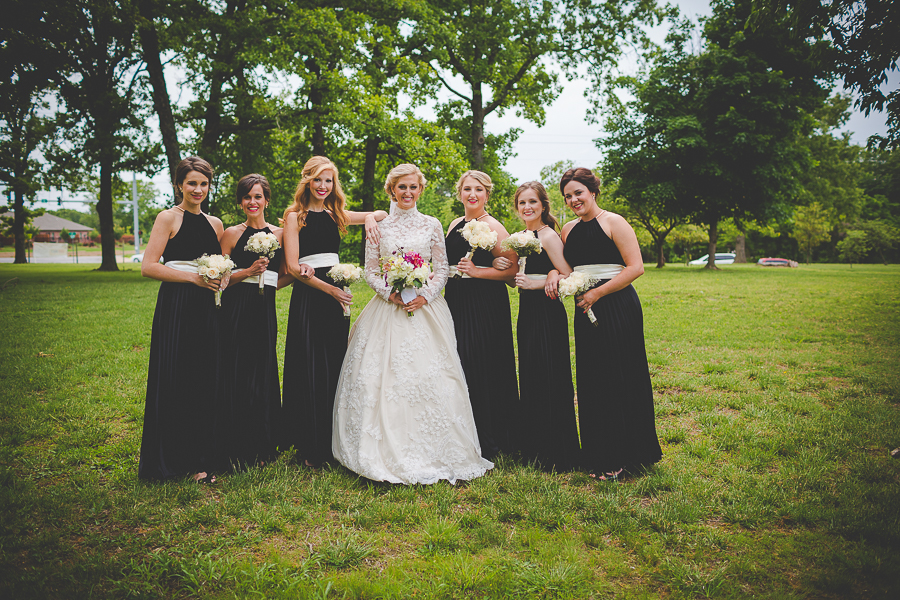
<point x="414" y="305"/>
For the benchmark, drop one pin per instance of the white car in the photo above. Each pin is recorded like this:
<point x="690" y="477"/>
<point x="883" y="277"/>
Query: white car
<point x="137" y="257"/>
<point x="722" y="258"/>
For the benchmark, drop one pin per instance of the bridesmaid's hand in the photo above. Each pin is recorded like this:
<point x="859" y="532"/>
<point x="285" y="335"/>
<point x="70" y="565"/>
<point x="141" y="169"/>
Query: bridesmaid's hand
<point x="344" y="298"/>
<point x="551" y="286"/>
<point x="416" y="304"/>
<point x="305" y="271"/>
<point x="396" y="299"/>
<point x="501" y="263"/>
<point x="527" y="283"/>
<point x="372" y="232"/>
<point x="467" y="267"/>
<point x="212" y="284"/>
<point x="258" y="267"/>
<point x="587" y="300"/>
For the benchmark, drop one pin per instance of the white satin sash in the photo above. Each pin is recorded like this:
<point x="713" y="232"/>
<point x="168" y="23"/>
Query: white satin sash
<point x="269" y="278"/>
<point x="600" y="271"/>
<point x="536" y="277"/>
<point x="454" y="272"/>
<point x="188" y="266"/>
<point x="325" y="259"/>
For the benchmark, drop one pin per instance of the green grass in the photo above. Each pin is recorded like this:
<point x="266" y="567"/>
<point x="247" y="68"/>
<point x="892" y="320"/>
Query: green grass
<point x="777" y="399"/>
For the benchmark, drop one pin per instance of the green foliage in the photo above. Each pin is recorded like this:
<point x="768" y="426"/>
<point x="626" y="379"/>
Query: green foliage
<point x="855" y="246"/>
<point x="811" y="227"/>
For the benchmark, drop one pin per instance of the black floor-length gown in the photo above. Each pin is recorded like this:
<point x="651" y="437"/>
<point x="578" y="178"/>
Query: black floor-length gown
<point x="483" y="325"/>
<point x="615" y="398"/>
<point x="251" y="394"/>
<point x="181" y="380"/>
<point x="314" y="350"/>
<point x="549" y="432"/>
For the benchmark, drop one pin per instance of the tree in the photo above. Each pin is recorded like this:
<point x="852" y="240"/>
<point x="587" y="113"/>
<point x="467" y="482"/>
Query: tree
<point x="854" y="247"/>
<point x="881" y="236"/>
<point x="864" y="46"/>
<point x="25" y="125"/>
<point x="811" y="227"/>
<point x="93" y="42"/>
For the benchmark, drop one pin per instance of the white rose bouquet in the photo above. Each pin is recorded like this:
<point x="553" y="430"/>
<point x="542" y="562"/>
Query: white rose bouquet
<point x="575" y="284"/>
<point x="215" y="267"/>
<point x="524" y="245"/>
<point x="345" y="275"/>
<point x="264" y="244"/>
<point x="479" y="235"/>
<point x="405" y="271"/>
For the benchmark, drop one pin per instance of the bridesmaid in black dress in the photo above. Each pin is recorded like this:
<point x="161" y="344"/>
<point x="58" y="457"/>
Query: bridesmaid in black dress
<point x="479" y="304"/>
<point x="250" y="397"/>
<point x="615" y="398"/>
<point x="181" y="380"/>
<point x="549" y="433"/>
<point x="317" y="329"/>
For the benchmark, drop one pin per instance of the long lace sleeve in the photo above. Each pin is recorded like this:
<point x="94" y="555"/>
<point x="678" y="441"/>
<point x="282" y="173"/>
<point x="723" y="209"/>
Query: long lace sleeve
<point x="373" y="270"/>
<point x="439" y="264"/>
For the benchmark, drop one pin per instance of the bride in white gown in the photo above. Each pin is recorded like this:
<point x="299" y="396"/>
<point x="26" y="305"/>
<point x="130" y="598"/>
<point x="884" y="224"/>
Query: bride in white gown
<point x="402" y="411"/>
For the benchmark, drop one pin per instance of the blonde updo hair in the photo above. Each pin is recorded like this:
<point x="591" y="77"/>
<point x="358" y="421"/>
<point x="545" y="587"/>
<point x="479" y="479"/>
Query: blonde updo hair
<point x="479" y="176"/>
<point x="402" y="171"/>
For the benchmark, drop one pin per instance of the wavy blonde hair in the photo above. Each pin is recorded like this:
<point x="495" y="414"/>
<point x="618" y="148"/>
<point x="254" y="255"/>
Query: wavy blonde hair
<point x="335" y="202"/>
<point x="402" y="171"/>
<point x="479" y="176"/>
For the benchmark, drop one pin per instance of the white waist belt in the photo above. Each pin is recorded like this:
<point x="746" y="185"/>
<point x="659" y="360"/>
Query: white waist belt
<point x="269" y="278"/>
<point x="601" y="271"/>
<point x="188" y="266"/>
<point x="326" y="259"/>
<point x="454" y="271"/>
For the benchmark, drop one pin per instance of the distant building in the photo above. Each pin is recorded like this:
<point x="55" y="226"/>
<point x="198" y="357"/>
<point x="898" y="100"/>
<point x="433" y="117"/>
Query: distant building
<point x="51" y="225"/>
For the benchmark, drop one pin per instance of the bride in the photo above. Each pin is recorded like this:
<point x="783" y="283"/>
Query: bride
<point x="402" y="411"/>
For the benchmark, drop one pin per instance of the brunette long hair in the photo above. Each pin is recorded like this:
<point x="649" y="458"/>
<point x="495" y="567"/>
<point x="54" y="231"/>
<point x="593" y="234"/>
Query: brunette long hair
<point x="547" y="217"/>
<point x="335" y="201"/>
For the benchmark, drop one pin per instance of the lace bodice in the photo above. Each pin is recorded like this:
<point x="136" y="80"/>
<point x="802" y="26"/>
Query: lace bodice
<point x="413" y="232"/>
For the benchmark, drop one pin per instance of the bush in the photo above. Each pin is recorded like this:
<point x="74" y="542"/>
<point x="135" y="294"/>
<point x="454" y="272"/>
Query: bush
<point x="127" y="239"/>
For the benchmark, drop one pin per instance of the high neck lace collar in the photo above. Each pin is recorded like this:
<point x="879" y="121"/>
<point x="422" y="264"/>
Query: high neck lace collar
<point x="396" y="211"/>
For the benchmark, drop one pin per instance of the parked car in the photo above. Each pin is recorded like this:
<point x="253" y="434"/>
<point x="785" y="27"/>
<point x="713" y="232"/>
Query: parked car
<point x="722" y="258"/>
<point x="137" y="257"/>
<point x="776" y="262"/>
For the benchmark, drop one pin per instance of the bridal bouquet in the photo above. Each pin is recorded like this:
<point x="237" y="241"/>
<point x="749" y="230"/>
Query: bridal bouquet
<point x="215" y="267"/>
<point x="264" y="244"/>
<point x="575" y="284"/>
<point x="405" y="271"/>
<point x="524" y="245"/>
<point x="479" y="235"/>
<point x="345" y="275"/>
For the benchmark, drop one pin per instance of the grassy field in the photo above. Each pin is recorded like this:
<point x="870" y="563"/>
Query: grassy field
<point x="777" y="400"/>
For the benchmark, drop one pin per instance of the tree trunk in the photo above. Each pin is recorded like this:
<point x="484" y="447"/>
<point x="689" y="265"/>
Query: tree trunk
<point x="477" y="158"/>
<point x="713" y="238"/>
<point x="369" y="189"/>
<point x="315" y="101"/>
<point x="740" y="249"/>
<point x="19" y="228"/>
<point x="105" y="212"/>
<point x="660" y="258"/>
<point x="161" y="102"/>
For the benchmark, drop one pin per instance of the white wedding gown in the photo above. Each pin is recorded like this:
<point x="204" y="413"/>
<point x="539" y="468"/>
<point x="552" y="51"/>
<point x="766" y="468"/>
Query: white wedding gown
<point x="402" y="411"/>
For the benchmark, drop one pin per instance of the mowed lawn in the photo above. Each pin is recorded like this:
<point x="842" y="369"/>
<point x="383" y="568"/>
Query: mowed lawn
<point x="777" y="400"/>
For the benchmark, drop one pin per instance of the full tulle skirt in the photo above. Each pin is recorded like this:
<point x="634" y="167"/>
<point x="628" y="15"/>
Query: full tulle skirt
<point x="615" y="397"/>
<point x="181" y="383"/>
<point x="402" y="412"/>
<point x="250" y="394"/>
<point x="483" y="327"/>
<point x="314" y="352"/>
<point x="549" y="433"/>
